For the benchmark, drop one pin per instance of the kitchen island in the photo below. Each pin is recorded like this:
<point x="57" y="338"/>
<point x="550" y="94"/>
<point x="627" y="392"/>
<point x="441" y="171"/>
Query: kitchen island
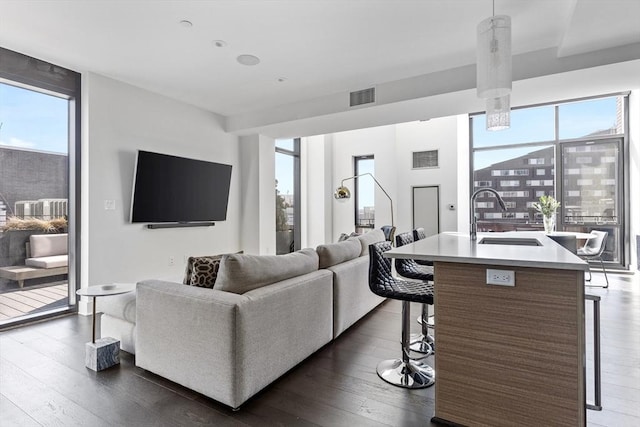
<point x="511" y="352"/>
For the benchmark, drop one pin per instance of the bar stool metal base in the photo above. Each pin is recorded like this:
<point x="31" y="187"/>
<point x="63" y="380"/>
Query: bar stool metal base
<point x="412" y="374"/>
<point x="422" y="344"/>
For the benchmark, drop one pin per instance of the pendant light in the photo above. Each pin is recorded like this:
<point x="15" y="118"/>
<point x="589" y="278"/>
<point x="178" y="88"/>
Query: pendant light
<point x="493" y="60"/>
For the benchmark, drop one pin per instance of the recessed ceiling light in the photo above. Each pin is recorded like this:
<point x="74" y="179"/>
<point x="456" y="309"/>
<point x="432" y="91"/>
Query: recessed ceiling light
<point x="186" y="24"/>
<point x="248" y="60"/>
<point x="219" y="43"/>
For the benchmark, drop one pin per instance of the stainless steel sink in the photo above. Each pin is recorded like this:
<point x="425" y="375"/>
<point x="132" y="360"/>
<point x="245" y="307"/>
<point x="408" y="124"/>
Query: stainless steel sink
<point x="510" y="241"/>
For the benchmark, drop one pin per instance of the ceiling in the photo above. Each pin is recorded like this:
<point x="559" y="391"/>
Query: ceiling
<point x="317" y="47"/>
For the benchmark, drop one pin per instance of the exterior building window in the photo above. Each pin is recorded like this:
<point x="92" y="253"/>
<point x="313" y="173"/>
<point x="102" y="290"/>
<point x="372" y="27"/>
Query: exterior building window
<point x="539" y="183"/>
<point x="511" y="194"/>
<point x="484" y="205"/>
<point x="584" y="142"/>
<point x="482" y="184"/>
<point x="510" y="172"/>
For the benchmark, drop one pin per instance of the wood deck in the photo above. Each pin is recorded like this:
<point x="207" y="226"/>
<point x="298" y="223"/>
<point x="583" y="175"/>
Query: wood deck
<point x="27" y="301"/>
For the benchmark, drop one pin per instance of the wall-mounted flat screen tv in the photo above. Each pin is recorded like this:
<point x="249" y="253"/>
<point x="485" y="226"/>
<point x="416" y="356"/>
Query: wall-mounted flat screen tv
<point x="179" y="190"/>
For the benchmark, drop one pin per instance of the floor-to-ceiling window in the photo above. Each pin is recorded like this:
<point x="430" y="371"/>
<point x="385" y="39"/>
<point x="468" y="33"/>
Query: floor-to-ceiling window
<point x="39" y="140"/>
<point x="287" y="195"/>
<point x="365" y="210"/>
<point x="571" y="150"/>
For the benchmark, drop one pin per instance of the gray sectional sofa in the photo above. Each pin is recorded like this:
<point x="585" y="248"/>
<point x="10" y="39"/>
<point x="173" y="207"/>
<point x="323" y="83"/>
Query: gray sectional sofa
<point x="264" y="315"/>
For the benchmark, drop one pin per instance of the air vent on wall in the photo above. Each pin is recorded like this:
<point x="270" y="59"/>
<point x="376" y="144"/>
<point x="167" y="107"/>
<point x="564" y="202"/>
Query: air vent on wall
<point x="360" y="97"/>
<point x="425" y="159"/>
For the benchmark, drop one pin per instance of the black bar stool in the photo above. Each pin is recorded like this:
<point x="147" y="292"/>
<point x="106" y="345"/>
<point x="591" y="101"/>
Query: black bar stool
<point x="405" y="372"/>
<point x="409" y="268"/>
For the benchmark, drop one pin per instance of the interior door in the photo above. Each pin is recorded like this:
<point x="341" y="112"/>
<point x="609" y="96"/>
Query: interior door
<point x="426" y="209"/>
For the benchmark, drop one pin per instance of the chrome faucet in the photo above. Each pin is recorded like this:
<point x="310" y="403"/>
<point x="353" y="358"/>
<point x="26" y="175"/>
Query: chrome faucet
<point x="474" y="225"/>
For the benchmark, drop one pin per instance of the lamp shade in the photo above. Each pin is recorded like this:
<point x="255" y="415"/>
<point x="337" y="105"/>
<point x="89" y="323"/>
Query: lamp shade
<point x="499" y="113"/>
<point x="342" y="192"/>
<point x="493" y="57"/>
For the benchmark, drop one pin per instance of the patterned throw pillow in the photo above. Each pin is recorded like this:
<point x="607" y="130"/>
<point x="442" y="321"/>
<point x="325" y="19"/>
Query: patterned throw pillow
<point x="202" y="271"/>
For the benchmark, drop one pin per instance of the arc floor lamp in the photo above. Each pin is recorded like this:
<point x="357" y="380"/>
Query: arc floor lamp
<point x="343" y="192"/>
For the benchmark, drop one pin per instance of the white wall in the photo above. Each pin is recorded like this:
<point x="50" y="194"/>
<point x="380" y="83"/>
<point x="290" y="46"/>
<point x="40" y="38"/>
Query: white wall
<point x="378" y="141"/>
<point x="119" y="119"/>
<point x="316" y="155"/>
<point x="257" y="189"/>
<point x="435" y="134"/>
<point x="392" y="148"/>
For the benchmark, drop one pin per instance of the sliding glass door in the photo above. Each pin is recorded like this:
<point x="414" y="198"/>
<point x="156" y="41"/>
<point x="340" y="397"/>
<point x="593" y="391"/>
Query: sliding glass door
<point x="39" y="144"/>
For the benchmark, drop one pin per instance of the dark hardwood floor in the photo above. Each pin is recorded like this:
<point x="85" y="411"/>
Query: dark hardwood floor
<point x="43" y="380"/>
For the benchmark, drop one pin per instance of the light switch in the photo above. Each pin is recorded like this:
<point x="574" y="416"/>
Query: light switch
<point x="110" y="205"/>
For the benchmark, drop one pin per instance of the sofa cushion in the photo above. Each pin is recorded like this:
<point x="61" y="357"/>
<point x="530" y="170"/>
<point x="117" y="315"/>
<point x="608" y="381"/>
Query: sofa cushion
<point x="48" y="261"/>
<point x="202" y="271"/>
<point x="242" y="273"/>
<point x="336" y="253"/>
<point x="373" y="236"/>
<point x="41" y="245"/>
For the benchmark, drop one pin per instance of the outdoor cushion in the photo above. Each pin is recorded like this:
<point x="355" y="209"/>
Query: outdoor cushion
<point x="336" y="253"/>
<point x="242" y="273"/>
<point x="48" y="261"/>
<point x="44" y="245"/>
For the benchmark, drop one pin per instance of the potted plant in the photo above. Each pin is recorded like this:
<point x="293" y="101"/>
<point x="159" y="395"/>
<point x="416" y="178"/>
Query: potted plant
<point x="547" y="206"/>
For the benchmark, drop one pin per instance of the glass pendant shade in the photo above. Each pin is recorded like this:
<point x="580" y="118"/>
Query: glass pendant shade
<point x="499" y="113"/>
<point x="493" y="57"/>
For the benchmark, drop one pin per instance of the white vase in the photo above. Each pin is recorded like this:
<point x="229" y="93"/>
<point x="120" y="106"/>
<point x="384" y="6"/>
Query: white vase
<point x="549" y="224"/>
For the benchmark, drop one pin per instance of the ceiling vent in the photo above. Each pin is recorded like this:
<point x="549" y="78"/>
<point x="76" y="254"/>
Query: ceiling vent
<point x="360" y="97"/>
<point x="425" y="159"/>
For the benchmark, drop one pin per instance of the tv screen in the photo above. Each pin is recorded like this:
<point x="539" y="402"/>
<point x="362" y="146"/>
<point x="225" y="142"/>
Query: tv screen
<point x="176" y="189"/>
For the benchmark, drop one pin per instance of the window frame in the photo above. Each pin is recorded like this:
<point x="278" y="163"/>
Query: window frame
<point x="356" y="196"/>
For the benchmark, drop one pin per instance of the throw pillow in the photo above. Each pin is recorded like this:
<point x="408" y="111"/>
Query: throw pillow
<point x="345" y="236"/>
<point x="202" y="271"/>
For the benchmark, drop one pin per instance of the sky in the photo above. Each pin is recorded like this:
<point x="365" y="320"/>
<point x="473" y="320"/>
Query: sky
<point x="33" y="120"/>
<point x="575" y="120"/>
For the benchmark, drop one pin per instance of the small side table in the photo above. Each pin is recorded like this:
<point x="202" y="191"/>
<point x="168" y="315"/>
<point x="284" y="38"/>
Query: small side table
<point x="105" y="352"/>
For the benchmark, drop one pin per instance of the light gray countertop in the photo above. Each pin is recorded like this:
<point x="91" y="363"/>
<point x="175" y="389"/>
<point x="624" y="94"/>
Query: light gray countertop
<point x="458" y="247"/>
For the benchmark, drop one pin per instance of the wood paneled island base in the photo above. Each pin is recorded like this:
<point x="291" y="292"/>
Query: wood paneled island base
<point x="509" y="355"/>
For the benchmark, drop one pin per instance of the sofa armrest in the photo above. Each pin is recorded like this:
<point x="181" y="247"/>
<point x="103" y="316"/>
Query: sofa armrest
<point x="187" y="334"/>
